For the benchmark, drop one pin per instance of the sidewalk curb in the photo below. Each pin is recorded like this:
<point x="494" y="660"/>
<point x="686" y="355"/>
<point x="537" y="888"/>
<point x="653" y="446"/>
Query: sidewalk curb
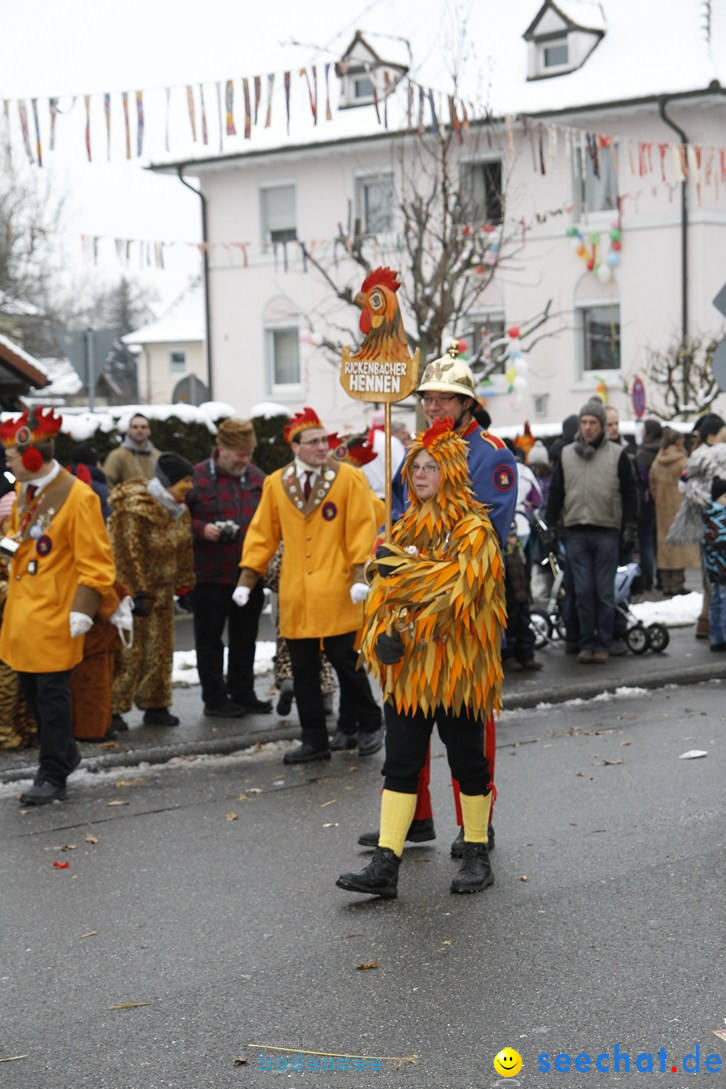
<point x="586" y="689"/>
<point x="512" y="701"/>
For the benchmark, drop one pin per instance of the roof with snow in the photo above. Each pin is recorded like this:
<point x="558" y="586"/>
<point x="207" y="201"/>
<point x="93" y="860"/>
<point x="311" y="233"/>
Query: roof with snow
<point x="21" y="365"/>
<point x="646" y="49"/>
<point x="182" y="323"/>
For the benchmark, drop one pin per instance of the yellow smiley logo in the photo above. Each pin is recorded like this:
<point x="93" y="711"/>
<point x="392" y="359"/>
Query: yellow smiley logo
<point x="508" y="1062"/>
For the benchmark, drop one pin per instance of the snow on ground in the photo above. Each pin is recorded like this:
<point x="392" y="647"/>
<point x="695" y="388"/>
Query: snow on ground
<point x="185" y="672"/>
<point x="674" y="612"/>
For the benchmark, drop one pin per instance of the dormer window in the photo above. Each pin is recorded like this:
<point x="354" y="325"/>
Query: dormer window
<point x="365" y="75"/>
<point x="557" y="43"/>
<point x="555" y="54"/>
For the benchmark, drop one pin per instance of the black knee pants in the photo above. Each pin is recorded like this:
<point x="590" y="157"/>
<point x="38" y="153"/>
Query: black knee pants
<point x="358" y="708"/>
<point x="49" y="697"/>
<point x="407" y="741"/>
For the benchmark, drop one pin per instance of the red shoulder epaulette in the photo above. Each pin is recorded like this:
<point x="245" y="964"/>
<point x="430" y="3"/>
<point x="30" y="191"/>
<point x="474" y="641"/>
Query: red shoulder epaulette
<point x="493" y="440"/>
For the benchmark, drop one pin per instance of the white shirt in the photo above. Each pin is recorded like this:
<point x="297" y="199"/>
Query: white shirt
<point x="40" y="482"/>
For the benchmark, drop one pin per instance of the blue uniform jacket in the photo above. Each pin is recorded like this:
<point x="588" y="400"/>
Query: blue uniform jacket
<point x="493" y="472"/>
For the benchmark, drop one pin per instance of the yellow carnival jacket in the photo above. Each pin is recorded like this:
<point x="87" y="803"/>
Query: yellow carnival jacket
<point x="327" y="541"/>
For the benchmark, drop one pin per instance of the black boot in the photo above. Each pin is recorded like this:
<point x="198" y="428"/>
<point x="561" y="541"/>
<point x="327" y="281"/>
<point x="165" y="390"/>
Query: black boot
<point x="457" y="847"/>
<point x="379" y="878"/>
<point x="476" y="872"/>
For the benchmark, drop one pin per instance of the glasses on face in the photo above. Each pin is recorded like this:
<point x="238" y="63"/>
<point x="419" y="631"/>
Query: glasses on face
<point x="438" y="398"/>
<point x="314" y="442"/>
<point x="430" y="469"/>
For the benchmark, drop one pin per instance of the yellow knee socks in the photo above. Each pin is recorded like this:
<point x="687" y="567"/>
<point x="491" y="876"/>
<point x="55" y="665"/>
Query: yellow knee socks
<point x="397" y="812"/>
<point x="475" y="809"/>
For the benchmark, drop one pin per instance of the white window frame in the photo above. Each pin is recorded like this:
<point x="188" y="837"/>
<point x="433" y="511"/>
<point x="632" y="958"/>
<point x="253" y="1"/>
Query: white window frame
<point x="282" y="389"/>
<point x="553" y="43"/>
<point x="470" y="165"/>
<point x="174" y="367"/>
<point x="581" y="311"/>
<point x="586" y="187"/>
<point x="283" y="223"/>
<point x="361" y="182"/>
<point x="477" y="322"/>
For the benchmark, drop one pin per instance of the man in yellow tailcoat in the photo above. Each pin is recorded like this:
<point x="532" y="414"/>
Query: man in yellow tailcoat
<point x="61" y="566"/>
<point x="322" y="510"/>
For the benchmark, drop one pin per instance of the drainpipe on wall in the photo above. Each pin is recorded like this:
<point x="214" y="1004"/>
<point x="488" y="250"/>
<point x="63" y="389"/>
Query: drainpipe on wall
<point x="684" y="222"/>
<point x="205" y="260"/>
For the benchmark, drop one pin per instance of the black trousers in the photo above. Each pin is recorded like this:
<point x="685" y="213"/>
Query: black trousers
<point x="407" y="742"/>
<point x="359" y="711"/>
<point x="49" y="697"/>
<point x="213" y="609"/>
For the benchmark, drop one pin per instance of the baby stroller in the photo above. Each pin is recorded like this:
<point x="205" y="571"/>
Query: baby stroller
<point x="548" y="623"/>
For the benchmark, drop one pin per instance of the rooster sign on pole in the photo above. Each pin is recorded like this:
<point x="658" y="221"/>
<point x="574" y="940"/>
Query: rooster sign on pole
<point x="382" y="370"/>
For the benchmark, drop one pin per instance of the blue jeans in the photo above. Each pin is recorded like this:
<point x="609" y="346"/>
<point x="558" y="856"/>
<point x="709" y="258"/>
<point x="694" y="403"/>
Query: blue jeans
<point x="717" y="614"/>
<point x="593" y="555"/>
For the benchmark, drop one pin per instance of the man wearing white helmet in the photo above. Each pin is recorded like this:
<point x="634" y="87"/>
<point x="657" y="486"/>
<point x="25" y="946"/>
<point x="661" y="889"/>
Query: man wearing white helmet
<point x="447" y="389"/>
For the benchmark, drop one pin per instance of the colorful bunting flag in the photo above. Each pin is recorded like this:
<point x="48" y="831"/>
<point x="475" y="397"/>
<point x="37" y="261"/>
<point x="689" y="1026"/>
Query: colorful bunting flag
<point x="205" y="133"/>
<point x="287" y="100"/>
<point x="139" y="123"/>
<point x="53" y="108"/>
<point x="36" y="122"/>
<point x="87" y="101"/>
<point x="107" y="114"/>
<point x="23" y="115"/>
<point x="258" y="94"/>
<point x="192" y="111"/>
<point x="229" y="104"/>
<point x="328" y="111"/>
<point x="127" y="127"/>
<point x="270" y="88"/>
<point x="248" y="108"/>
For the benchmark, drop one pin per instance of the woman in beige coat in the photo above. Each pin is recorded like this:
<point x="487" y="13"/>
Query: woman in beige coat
<point x="665" y="473"/>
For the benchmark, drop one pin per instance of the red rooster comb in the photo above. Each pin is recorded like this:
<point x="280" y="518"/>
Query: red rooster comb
<point x="437" y="429"/>
<point x="301" y="421"/>
<point x="385" y="277"/>
<point x="360" y="452"/>
<point x="39" y="425"/>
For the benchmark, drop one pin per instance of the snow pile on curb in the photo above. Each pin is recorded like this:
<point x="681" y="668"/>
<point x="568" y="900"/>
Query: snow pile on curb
<point x="674" y="612"/>
<point x="184" y="674"/>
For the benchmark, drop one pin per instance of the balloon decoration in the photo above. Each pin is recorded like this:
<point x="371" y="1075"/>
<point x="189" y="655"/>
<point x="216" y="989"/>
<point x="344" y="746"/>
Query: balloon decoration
<point x="516" y="373"/>
<point x="602" y="263"/>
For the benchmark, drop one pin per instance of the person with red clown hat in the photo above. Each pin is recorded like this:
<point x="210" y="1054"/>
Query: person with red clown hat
<point x="321" y="509"/>
<point x="61" y="567"/>
<point x="432" y="638"/>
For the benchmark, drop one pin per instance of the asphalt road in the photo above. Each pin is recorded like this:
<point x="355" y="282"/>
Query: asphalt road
<point x="231" y="932"/>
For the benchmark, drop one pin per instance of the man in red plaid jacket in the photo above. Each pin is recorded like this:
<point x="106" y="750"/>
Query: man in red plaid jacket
<point x="226" y="492"/>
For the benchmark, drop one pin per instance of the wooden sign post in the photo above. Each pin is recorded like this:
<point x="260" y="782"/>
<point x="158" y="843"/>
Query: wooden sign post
<point x="382" y="369"/>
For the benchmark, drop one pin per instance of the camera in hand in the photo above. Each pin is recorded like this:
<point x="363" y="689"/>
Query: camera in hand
<point x="8" y="546"/>
<point x="228" y="530"/>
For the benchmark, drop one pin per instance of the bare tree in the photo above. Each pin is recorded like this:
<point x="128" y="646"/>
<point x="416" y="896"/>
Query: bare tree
<point x="681" y="380"/>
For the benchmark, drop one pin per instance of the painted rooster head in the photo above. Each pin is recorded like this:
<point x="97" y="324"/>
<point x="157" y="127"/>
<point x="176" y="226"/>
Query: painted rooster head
<point x="380" y="320"/>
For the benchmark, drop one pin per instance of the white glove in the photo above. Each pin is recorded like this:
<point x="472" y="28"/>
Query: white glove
<point x="241" y="596"/>
<point x="79" y="624"/>
<point x="358" y="592"/>
<point x="412" y="550"/>
<point x="123" y="621"/>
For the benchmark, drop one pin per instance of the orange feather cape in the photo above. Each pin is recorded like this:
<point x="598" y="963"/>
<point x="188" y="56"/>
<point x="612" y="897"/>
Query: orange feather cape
<point x="447" y="602"/>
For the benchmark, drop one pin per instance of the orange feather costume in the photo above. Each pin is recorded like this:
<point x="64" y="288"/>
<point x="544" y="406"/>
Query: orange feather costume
<point x="446" y="602"/>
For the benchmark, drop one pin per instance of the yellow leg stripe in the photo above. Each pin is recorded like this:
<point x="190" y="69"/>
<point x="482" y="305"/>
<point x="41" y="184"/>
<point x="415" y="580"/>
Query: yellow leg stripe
<point x="475" y="809"/>
<point x="397" y="812"/>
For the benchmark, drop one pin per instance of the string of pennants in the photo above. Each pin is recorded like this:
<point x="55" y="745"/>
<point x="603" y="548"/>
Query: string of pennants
<point x="244" y="104"/>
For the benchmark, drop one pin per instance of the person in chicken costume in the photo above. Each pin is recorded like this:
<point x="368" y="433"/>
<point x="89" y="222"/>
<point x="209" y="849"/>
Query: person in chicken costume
<point x="322" y="510"/>
<point x="432" y="636"/>
<point x="60" y="569"/>
<point x="447" y="389"/>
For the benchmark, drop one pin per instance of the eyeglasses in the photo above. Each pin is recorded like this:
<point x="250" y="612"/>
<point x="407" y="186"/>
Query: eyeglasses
<point x="314" y="442"/>
<point x="438" y="398"/>
<point x="430" y="469"/>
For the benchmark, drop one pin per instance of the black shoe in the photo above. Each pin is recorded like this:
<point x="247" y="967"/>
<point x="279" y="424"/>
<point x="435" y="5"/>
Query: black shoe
<point x="160" y="716"/>
<point x="284" y="700"/>
<point x="257" y="707"/>
<point x="119" y="724"/>
<point x="99" y="740"/>
<point x="43" y="793"/>
<point x="379" y="878"/>
<point x="716" y="647"/>
<point x="371" y="742"/>
<point x="418" y="832"/>
<point x="227" y="709"/>
<point x="340" y="741"/>
<point x="457" y="847"/>
<point x="476" y="872"/>
<point x="305" y="754"/>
